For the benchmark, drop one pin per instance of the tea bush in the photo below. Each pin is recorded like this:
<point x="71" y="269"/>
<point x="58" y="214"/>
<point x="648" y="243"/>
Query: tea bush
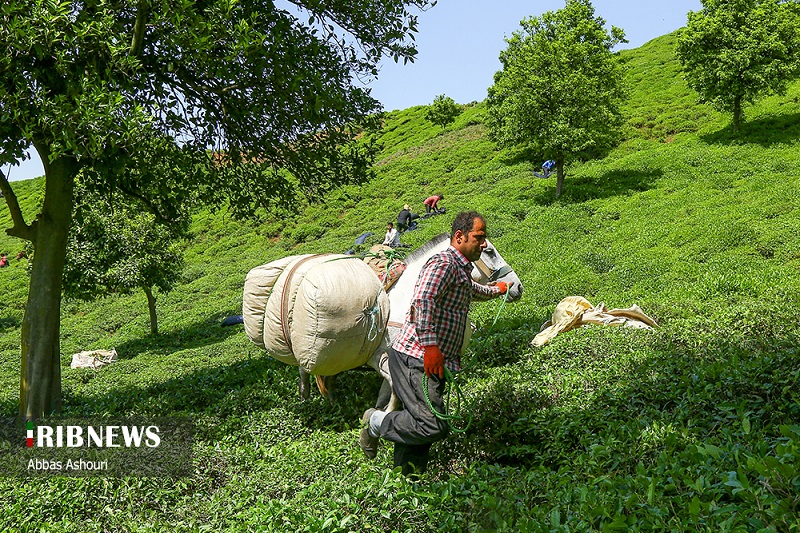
<point x="694" y="426"/>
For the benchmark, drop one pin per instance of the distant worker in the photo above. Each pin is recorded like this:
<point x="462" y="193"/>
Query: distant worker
<point x="432" y="203"/>
<point x="3" y="260"/>
<point x="405" y="220"/>
<point x="392" y="237"/>
<point x="547" y="168"/>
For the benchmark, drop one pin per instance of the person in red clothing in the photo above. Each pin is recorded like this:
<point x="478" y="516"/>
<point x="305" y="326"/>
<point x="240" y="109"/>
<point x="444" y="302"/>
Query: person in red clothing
<point x="3" y="260"/>
<point x="430" y="340"/>
<point x="432" y="203"/>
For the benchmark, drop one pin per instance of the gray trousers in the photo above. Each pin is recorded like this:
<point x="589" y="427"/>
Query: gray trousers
<point x="415" y="428"/>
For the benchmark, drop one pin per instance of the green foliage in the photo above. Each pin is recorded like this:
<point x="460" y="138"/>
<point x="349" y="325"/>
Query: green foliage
<point x="690" y="427"/>
<point x="659" y="97"/>
<point x="247" y="103"/>
<point x="217" y="55"/>
<point x="443" y="111"/>
<point x="732" y="52"/>
<point x="117" y="247"/>
<point x="559" y="92"/>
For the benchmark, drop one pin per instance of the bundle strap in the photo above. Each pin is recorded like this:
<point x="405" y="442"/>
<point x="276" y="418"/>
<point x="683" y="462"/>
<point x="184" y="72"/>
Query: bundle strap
<point x="372" y="312"/>
<point x="285" y="296"/>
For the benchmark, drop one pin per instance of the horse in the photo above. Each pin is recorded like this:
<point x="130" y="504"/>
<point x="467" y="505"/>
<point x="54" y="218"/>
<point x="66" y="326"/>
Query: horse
<point x="491" y="267"/>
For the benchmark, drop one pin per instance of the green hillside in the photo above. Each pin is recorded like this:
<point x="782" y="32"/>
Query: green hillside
<point x="694" y="426"/>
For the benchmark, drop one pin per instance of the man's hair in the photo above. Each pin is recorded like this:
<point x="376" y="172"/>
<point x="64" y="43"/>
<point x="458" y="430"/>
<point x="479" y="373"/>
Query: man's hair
<point x="391" y="224"/>
<point x="465" y="221"/>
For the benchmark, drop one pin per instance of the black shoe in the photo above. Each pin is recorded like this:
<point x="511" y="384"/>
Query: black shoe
<point x="368" y="443"/>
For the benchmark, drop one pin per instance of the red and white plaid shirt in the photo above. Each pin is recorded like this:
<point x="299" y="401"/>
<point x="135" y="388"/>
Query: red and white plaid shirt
<point x="439" y="307"/>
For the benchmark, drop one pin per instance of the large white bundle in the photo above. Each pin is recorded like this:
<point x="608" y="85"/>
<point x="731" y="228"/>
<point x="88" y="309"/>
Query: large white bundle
<point x="258" y="287"/>
<point x="325" y="313"/>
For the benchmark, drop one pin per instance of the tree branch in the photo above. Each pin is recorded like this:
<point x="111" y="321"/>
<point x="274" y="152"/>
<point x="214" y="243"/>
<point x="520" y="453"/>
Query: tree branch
<point x="137" y="41"/>
<point x="20" y="228"/>
<point x="153" y="208"/>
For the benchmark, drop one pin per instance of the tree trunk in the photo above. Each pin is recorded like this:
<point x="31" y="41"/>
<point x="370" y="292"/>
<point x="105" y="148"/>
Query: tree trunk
<point x="151" y="305"/>
<point x="737" y="114"/>
<point x="559" y="177"/>
<point x="40" y="373"/>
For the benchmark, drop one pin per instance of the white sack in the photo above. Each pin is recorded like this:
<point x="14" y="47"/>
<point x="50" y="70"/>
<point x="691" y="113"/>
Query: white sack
<point x="329" y="318"/>
<point x="258" y="287"/>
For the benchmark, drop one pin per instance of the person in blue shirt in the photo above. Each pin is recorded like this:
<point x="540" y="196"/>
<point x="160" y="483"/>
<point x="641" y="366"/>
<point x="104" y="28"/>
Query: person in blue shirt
<point x="547" y="168"/>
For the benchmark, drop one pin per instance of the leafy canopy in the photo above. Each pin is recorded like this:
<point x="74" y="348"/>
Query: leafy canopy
<point x="443" y="111"/>
<point x="90" y="83"/>
<point x="733" y="51"/>
<point x="246" y="79"/>
<point x="559" y="91"/>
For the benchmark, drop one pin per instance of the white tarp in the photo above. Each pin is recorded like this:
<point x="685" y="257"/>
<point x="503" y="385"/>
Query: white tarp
<point x="577" y="311"/>
<point x="93" y="358"/>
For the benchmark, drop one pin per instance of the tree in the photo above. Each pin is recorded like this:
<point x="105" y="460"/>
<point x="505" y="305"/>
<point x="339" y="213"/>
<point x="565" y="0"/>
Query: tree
<point x="117" y="247"/>
<point x="268" y="91"/>
<point x="559" y="92"/>
<point x="443" y="111"/>
<point x="733" y="51"/>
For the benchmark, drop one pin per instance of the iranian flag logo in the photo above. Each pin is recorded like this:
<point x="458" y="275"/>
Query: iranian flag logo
<point x="30" y="434"/>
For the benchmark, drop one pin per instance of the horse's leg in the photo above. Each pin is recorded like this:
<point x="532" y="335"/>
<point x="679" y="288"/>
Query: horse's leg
<point x="305" y="384"/>
<point x="384" y="396"/>
<point x="380" y="362"/>
<point x="394" y="403"/>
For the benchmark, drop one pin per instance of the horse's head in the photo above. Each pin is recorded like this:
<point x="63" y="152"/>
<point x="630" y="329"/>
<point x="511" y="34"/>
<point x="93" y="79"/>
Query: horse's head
<point x="492" y="267"/>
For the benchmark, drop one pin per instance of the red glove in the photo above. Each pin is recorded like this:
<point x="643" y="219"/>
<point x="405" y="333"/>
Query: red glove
<point x="502" y="286"/>
<point x="434" y="361"/>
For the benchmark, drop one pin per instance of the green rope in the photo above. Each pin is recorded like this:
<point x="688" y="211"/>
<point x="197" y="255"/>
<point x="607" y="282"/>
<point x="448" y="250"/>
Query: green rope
<point x="453" y="388"/>
<point x="391" y="255"/>
<point x="374" y="328"/>
<point x="497" y="316"/>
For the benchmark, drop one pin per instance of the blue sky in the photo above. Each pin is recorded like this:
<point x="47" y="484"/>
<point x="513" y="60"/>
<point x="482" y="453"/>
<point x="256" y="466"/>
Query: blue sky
<point x="459" y="43"/>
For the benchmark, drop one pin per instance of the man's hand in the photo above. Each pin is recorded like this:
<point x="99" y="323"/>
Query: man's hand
<point x="503" y="286"/>
<point x="434" y="361"/>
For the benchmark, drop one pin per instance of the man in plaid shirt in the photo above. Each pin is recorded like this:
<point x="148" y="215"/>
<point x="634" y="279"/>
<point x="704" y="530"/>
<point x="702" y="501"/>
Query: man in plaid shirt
<point x="430" y="339"/>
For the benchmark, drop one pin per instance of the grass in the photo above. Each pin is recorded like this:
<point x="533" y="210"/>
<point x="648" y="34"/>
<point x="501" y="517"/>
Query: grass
<point x="694" y="426"/>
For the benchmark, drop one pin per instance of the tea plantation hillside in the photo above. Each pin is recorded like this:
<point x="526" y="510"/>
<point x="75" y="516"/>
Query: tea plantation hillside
<point x="694" y="426"/>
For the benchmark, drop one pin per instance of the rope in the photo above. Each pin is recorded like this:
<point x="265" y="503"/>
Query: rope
<point x="451" y="385"/>
<point x="374" y="328"/>
<point x="390" y="254"/>
<point x="497" y="316"/>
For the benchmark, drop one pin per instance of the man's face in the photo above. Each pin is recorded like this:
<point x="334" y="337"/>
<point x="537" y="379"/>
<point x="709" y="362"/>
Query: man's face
<point x="473" y="243"/>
